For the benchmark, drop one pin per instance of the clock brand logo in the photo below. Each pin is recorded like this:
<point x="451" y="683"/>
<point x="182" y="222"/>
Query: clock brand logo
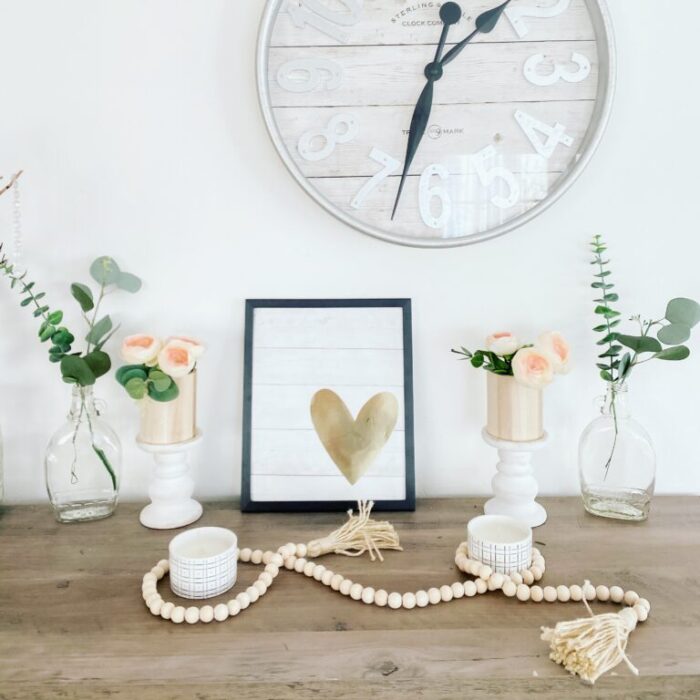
<point x="435" y="131"/>
<point x="404" y="16"/>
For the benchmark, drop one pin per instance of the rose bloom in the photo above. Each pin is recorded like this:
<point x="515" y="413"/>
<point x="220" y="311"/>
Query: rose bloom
<point x="503" y="343"/>
<point x="176" y="359"/>
<point x="195" y="347"/>
<point x="553" y="344"/>
<point x="533" y="368"/>
<point x="140" y="349"/>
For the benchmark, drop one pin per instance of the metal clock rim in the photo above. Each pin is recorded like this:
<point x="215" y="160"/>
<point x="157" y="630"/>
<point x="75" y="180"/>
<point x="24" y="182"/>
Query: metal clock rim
<point x="599" y="121"/>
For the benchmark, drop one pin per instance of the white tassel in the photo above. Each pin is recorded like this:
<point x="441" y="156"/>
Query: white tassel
<point x="592" y="646"/>
<point x="359" y="535"/>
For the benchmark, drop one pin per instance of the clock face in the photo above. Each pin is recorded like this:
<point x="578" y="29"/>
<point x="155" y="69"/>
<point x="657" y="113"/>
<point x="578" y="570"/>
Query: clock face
<point x="478" y="120"/>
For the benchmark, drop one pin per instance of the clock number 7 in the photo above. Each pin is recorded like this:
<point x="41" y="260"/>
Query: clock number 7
<point x="329" y="22"/>
<point x="390" y="166"/>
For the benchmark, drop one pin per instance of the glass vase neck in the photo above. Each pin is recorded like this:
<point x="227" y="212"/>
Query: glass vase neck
<point x="82" y="403"/>
<point x="616" y="401"/>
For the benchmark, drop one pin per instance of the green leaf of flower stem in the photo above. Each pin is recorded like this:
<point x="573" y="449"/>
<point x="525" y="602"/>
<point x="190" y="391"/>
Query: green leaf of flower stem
<point x="83" y="295"/>
<point x="169" y="394"/>
<point x="605" y="374"/>
<point x="127" y="372"/>
<point x="105" y="271"/>
<point x="103" y="458"/>
<point x="683" y="311"/>
<point x="477" y="360"/>
<point x="62" y="336"/>
<point x="129" y="283"/>
<point x="161" y="381"/>
<point x="674" y="334"/>
<point x="47" y="333"/>
<point x="75" y="368"/>
<point x="605" y="273"/>
<point x="40" y="311"/>
<point x="40" y="295"/>
<point x="639" y="343"/>
<point x="606" y="311"/>
<point x="101" y="328"/>
<point x="136" y="388"/>
<point x="602" y="285"/>
<point x="625" y="365"/>
<point x="609" y="338"/>
<point x="98" y="362"/>
<point x="26" y="302"/>
<point x="612" y="351"/>
<point x="55" y="317"/>
<point x="680" y="352"/>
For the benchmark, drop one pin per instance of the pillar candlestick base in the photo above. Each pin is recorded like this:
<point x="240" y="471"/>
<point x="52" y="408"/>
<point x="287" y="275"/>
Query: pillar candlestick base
<point x="514" y="485"/>
<point x="172" y="505"/>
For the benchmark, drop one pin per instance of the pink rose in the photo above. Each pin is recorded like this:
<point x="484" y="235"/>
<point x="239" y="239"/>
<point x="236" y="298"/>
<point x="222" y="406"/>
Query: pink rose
<point x="533" y="368"/>
<point x="176" y="359"/>
<point x="557" y="348"/>
<point x="196" y="348"/>
<point x="140" y="349"/>
<point x="502" y="343"/>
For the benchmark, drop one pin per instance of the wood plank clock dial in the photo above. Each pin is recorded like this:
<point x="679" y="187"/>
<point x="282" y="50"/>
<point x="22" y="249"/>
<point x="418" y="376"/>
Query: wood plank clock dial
<point x="433" y="123"/>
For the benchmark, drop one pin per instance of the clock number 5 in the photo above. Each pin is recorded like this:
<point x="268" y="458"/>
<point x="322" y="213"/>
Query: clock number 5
<point x="489" y="176"/>
<point x="329" y="22"/>
<point x="341" y="129"/>
<point x="516" y="14"/>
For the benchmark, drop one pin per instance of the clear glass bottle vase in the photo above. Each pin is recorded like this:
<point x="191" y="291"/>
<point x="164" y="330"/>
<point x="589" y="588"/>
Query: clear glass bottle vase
<point x="617" y="462"/>
<point x="83" y="463"/>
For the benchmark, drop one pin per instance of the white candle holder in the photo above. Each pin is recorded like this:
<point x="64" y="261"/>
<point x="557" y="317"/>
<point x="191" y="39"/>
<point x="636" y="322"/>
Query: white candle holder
<point x="514" y="486"/>
<point x="171" y="491"/>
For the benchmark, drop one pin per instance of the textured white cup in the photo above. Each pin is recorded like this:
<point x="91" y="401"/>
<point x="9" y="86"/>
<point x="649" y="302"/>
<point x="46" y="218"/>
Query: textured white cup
<point x="203" y="562"/>
<point x="504" y="543"/>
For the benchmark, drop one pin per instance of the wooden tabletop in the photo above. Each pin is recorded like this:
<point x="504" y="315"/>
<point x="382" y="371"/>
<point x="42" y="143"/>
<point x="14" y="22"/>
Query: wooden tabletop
<point x="73" y="625"/>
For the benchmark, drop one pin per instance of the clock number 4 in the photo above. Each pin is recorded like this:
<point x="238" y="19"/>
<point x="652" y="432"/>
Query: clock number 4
<point x="534" y="129"/>
<point x="315" y="13"/>
<point x="342" y="128"/>
<point x="516" y="15"/>
<point x="489" y="176"/>
<point x="560" y="72"/>
<point x="309" y="74"/>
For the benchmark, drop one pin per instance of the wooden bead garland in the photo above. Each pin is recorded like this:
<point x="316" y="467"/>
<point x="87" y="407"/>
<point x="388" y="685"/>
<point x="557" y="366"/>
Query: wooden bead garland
<point x="599" y="655"/>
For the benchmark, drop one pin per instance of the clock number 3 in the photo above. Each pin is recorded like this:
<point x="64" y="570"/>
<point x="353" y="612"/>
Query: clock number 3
<point x="489" y="176"/>
<point x="330" y="22"/>
<point x="341" y="129"/>
<point x="516" y="15"/>
<point x="560" y="72"/>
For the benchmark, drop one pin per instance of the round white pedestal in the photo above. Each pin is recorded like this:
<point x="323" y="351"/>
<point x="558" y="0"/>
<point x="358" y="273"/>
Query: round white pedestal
<point x="171" y="491"/>
<point x="514" y="485"/>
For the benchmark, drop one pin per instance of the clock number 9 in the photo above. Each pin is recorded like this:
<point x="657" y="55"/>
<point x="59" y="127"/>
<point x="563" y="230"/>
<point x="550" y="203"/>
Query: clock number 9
<point x="488" y="176"/>
<point x="309" y="74"/>
<point x="341" y="129"/>
<point x="316" y="14"/>
<point x="516" y="14"/>
<point x="428" y="192"/>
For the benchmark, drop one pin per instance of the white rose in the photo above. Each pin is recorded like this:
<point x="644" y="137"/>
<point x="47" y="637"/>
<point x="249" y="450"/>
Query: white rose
<point x="140" y="349"/>
<point x="196" y="348"/>
<point x="553" y="344"/>
<point x="503" y="343"/>
<point x="533" y="368"/>
<point x="176" y="359"/>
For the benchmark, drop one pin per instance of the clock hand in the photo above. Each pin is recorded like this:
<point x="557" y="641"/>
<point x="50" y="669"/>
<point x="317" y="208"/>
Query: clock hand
<point x="485" y="23"/>
<point x="450" y="13"/>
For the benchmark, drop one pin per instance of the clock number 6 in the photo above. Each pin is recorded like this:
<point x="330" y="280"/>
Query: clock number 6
<point x="341" y="129"/>
<point x="488" y="176"/>
<point x="428" y="192"/>
<point x="329" y="22"/>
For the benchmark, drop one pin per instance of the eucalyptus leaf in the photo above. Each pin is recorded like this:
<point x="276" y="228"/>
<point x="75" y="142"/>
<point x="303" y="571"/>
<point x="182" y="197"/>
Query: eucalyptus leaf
<point x="128" y="282"/>
<point x="625" y="365"/>
<point x="55" y="317"/>
<point x="47" y="333"/>
<point x="161" y="381"/>
<point x="127" y="372"/>
<point x="83" y="295"/>
<point x="674" y="334"/>
<point x="98" y="362"/>
<point x="105" y="271"/>
<point x="640" y="343"/>
<point x="136" y="388"/>
<point x="74" y="367"/>
<point x="100" y="329"/>
<point x="685" y="312"/>
<point x="169" y="394"/>
<point x="679" y="352"/>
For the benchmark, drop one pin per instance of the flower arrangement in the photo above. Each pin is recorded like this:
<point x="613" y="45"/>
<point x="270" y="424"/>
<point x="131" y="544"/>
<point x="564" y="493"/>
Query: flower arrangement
<point x="154" y="365"/>
<point x="532" y="365"/>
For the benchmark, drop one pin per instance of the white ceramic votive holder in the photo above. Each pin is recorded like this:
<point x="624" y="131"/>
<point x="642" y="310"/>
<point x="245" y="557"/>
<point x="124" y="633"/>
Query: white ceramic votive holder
<point x="203" y="562"/>
<point x="502" y="542"/>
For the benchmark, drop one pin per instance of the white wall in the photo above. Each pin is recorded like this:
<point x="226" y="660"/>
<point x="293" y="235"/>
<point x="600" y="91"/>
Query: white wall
<point x="138" y="127"/>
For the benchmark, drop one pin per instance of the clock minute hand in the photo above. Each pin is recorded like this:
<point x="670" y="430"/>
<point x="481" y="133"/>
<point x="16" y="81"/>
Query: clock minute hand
<point x="486" y="22"/>
<point x="450" y="13"/>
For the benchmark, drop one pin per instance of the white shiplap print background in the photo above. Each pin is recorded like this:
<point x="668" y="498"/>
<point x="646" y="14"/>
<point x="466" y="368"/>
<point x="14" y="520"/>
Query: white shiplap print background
<point x="356" y="352"/>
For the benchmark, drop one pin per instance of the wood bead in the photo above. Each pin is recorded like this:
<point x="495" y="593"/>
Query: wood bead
<point x="166" y="610"/>
<point x="631" y="598"/>
<point x="616" y="594"/>
<point x="309" y="568"/>
<point x="234" y="607"/>
<point x="301" y="550"/>
<point x="245" y="554"/>
<point x="156" y="606"/>
<point x="345" y="586"/>
<point x="434" y="596"/>
<point x="243" y="600"/>
<point x="165" y="565"/>
<point x="602" y="593"/>
<point x="642" y="612"/>
<point x="469" y="589"/>
<point x="485" y="572"/>
<point x="523" y="592"/>
<point x="318" y="571"/>
<point x="288" y="550"/>
<point x="272" y="569"/>
<point x="496" y="581"/>
<point x="152" y="598"/>
<point x="149" y="578"/>
<point x="408" y="601"/>
<point x="336" y="581"/>
<point x="158" y="572"/>
<point x="395" y="600"/>
<point x="289" y="562"/>
<point x="192" y="615"/>
<point x="260" y="587"/>
<point x="446" y="594"/>
<point x="536" y="593"/>
<point x="588" y="592"/>
<point x="458" y="590"/>
<point x="576" y="592"/>
<point x="221" y="612"/>
<point x="267" y="557"/>
<point x="516" y="578"/>
<point x="536" y="572"/>
<point x="206" y="613"/>
<point x="422" y="599"/>
<point x="368" y="595"/>
<point x="549" y="593"/>
<point x="299" y="565"/>
<point x="480" y="585"/>
<point x="326" y="578"/>
<point x="539" y="563"/>
<point x="381" y="598"/>
<point x="528" y="578"/>
<point x="277" y="559"/>
<point x="177" y="615"/>
<point x="509" y="588"/>
<point x="356" y="591"/>
<point x="645" y="603"/>
<point x="536" y="554"/>
<point x="563" y="594"/>
<point x="266" y="578"/>
<point x="253" y="594"/>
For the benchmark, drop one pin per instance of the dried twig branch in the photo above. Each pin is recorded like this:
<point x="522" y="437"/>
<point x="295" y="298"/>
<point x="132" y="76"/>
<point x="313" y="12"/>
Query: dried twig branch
<point x="12" y="181"/>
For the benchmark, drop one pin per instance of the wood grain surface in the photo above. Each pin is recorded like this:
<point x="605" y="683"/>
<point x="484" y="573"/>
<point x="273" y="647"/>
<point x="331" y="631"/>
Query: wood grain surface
<point x="72" y="623"/>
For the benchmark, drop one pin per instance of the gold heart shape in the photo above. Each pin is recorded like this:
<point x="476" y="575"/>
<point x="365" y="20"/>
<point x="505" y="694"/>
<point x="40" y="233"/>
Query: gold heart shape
<point x="353" y="444"/>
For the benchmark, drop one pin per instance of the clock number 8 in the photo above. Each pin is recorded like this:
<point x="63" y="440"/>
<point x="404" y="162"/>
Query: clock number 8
<point x="341" y="129"/>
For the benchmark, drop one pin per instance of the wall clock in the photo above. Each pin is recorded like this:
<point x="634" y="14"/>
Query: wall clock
<point x="435" y="123"/>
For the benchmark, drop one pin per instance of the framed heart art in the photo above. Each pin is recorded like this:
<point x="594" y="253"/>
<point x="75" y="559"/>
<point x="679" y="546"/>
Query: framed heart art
<point x="328" y="405"/>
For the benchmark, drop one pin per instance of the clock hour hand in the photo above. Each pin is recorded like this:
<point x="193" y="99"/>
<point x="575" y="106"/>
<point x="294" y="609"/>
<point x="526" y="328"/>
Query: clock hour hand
<point x="450" y="13"/>
<point x="486" y="22"/>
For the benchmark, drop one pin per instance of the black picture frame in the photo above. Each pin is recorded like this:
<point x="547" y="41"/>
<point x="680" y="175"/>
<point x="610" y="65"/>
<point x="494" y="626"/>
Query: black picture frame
<point x="248" y="505"/>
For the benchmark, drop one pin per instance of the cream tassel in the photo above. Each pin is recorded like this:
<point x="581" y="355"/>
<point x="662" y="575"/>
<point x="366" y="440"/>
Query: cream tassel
<point x="590" y="647"/>
<point x="359" y="535"/>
